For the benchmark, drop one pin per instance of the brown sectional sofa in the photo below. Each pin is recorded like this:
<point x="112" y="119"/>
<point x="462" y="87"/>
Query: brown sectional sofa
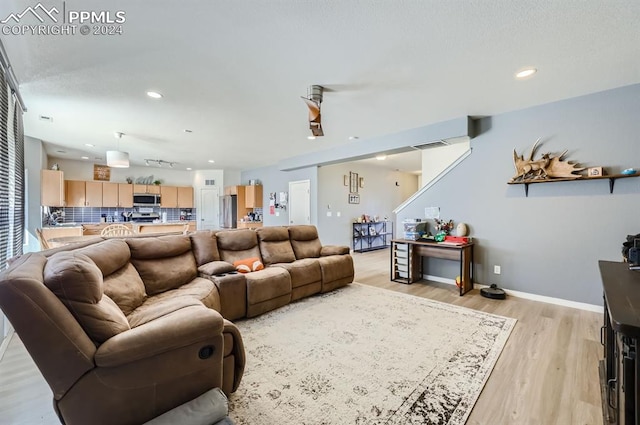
<point x="126" y="329"/>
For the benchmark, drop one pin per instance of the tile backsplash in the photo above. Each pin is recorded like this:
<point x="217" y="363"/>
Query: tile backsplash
<point x="93" y="215"/>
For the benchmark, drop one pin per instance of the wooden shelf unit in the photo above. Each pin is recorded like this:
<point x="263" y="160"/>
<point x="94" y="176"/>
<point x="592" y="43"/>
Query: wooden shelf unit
<point x="612" y="179"/>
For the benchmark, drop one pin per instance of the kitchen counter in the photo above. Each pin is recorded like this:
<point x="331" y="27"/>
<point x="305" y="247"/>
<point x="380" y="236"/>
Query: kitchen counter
<point x="248" y="224"/>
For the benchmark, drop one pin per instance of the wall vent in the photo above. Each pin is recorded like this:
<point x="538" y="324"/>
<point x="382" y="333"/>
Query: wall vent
<point x="429" y="145"/>
<point x="210" y="182"/>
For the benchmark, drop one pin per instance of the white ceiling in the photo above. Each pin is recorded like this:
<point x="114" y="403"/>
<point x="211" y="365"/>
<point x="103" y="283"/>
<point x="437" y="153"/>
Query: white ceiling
<point x="233" y="71"/>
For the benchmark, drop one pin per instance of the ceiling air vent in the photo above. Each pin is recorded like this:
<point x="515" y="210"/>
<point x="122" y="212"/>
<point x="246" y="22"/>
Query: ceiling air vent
<point x="210" y="182"/>
<point x="46" y="118"/>
<point x="429" y="145"/>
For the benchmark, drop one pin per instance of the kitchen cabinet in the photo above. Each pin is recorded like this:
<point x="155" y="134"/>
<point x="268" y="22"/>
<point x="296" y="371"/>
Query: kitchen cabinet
<point x="52" y="193"/>
<point x="185" y="197"/>
<point x="83" y="193"/>
<point x="125" y="195"/>
<point x="117" y="195"/>
<point x="253" y="196"/>
<point x="146" y="188"/>
<point x="240" y="203"/>
<point x="168" y="197"/>
<point x="230" y="190"/>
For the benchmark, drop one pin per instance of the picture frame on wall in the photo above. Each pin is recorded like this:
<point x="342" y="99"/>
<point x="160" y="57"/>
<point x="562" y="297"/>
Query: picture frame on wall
<point x="345" y="180"/>
<point x="354" y="198"/>
<point x="353" y="182"/>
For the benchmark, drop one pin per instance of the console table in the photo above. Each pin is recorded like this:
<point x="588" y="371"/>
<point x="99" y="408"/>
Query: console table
<point x="619" y="378"/>
<point x="406" y="260"/>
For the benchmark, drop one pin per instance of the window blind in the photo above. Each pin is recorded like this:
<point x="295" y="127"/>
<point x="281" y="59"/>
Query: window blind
<point x="5" y="171"/>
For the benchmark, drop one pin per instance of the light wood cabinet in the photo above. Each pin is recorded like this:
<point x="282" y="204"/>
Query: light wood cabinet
<point x="168" y="197"/>
<point x="75" y="193"/>
<point x="117" y="195"/>
<point x="83" y="193"/>
<point x="125" y="195"/>
<point x="253" y="196"/>
<point x="146" y="188"/>
<point x="93" y="194"/>
<point x="249" y="224"/>
<point x="185" y="197"/>
<point x="230" y="190"/>
<point x="52" y="193"/>
<point x="241" y="203"/>
<point x="109" y="194"/>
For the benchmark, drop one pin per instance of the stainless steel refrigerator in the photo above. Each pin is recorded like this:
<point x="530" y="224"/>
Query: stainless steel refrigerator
<point x="228" y="211"/>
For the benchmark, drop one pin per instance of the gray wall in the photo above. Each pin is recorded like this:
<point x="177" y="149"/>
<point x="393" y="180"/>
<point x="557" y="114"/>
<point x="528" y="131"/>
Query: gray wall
<point x="549" y="243"/>
<point x="379" y="196"/>
<point x="274" y="180"/>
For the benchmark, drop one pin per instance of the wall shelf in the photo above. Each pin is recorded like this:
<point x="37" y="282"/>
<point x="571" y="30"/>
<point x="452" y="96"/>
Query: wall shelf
<point x="612" y="178"/>
<point x="372" y="235"/>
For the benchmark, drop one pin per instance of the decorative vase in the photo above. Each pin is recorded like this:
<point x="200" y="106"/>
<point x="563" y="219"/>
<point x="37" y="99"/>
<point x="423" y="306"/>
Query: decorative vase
<point x="461" y="229"/>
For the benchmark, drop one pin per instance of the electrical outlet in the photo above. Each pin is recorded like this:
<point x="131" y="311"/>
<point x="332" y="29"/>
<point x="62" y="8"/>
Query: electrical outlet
<point x="328" y="213"/>
<point x="496" y="269"/>
<point x="338" y="214"/>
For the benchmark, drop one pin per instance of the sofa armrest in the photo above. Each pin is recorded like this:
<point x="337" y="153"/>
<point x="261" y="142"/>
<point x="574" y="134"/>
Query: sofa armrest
<point x="327" y="250"/>
<point x="215" y="267"/>
<point x="238" y="352"/>
<point x="175" y="330"/>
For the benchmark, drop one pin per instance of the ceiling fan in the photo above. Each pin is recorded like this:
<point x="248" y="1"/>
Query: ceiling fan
<point x="313" y="101"/>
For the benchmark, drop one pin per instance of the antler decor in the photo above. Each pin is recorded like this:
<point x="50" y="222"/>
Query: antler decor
<point x="548" y="167"/>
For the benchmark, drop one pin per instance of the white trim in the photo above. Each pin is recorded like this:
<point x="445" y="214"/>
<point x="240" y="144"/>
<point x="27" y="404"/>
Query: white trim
<point x="5" y="342"/>
<point x="528" y="296"/>
<point x="424" y="188"/>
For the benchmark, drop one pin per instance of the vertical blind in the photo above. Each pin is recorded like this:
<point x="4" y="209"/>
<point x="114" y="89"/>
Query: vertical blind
<point x="11" y="174"/>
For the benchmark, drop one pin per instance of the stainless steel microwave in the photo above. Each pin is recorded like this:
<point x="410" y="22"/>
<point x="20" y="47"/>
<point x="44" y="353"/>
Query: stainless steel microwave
<point x="146" y="200"/>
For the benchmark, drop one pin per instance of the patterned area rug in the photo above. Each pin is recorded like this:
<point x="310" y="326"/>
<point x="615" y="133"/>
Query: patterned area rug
<point x="363" y="355"/>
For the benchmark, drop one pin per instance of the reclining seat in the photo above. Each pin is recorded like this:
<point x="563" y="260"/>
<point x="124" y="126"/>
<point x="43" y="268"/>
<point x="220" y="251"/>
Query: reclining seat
<point x="267" y="289"/>
<point x="100" y="370"/>
<point x="276" y="250"/>
<point x="168" y="269"/>
<point x="335" y="263"/>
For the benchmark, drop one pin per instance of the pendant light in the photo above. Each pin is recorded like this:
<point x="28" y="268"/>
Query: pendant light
<point x="118" y="159"/>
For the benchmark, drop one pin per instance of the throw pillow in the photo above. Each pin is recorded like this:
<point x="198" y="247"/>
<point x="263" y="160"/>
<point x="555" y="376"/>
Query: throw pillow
<point x="248" y="265"/>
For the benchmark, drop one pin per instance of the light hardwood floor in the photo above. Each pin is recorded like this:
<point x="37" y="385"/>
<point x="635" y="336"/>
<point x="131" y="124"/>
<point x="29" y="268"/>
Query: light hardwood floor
<point x="547" y="373"/>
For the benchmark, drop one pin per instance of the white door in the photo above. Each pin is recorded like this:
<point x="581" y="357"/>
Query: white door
<point x="300" y="202"/>
<point x="209" y="209"/>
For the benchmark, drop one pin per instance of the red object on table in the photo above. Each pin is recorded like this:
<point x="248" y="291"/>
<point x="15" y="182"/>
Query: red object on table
<point x="456" y="239"/>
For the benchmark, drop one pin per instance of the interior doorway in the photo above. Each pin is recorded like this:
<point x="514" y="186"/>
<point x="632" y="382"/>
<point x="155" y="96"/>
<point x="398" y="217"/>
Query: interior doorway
<point x="300" y="202"/>
<point x="209" y="209"/>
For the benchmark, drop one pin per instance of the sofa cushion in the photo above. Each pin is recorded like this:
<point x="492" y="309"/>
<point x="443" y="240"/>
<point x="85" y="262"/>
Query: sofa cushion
<point x="303" y="272"/>
<point x="205" y="247"/>
<point x="248" y="265"/>
<point x="334" y="250"/>
<point x="199" y="291"/>
<point x="236" y="245"/>
<point x="76" y="280"/>
<point x="125" y="288"/>
<point x="110" y="255"/>
<point x="305" y="241"/>
<point x="267" y="284"/>
<point x="163" y="262"/>
<point x="275" y="246"/>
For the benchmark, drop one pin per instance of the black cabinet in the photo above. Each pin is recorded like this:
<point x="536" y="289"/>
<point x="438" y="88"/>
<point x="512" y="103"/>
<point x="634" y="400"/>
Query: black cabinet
<point x="373" y="235"/>
<point x="620" y="335"/>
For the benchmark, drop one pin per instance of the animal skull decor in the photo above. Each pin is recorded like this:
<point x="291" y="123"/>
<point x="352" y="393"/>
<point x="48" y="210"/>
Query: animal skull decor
<point x="548" y="167"/>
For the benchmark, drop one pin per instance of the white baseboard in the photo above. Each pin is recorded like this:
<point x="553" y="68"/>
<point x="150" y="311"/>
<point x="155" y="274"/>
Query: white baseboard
<point x="528" y="296"/>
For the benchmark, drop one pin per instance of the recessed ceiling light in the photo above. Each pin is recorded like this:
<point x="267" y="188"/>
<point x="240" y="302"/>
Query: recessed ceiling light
<point x="211" y="161"/>
<point x="527" y="72"/>
<point x="90" y="145"/>
<point x="84" y="157"/>
<point x="353" y="137"/>
<point x="154" y="94"/>
<point x="189" y="168"/>
<point x="311" y="137"/>
<point x="381" y="157"/>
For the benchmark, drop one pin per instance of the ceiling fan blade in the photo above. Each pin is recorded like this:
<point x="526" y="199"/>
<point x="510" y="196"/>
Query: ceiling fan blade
<point x="314" y="108"/>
